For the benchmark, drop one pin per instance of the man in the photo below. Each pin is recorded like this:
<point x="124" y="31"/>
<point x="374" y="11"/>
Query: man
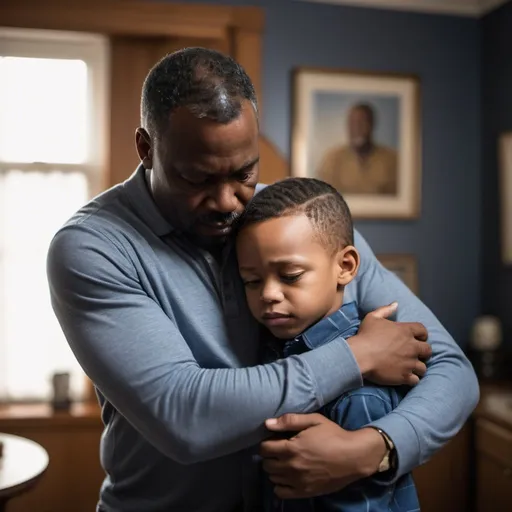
<point x="363" y="166"/>
<point x="147" y="291"/>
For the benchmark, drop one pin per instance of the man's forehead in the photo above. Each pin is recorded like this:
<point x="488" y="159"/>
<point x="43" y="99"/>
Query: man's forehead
<point x="206" y="141"/>
<point x="215" y="166"/>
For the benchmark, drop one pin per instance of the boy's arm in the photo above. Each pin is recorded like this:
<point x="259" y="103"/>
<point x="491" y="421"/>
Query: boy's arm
<point x="436" y="409"/>
<point x="359" y="408"/>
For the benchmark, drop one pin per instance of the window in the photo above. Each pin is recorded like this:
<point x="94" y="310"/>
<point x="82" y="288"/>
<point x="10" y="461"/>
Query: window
<point x="52" y="145"/>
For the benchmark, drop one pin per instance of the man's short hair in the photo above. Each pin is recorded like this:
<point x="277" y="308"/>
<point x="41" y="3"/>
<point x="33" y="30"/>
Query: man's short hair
<point x="323" y="205"/>
<point x="208" y="83"/>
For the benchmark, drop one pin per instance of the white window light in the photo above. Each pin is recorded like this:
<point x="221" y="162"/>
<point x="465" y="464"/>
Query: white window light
<point x="53" y="111"/>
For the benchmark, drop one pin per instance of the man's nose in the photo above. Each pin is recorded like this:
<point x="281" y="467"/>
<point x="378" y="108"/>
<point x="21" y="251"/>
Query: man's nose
<point x="271" y="292"/>
<point x="224" y="198"/>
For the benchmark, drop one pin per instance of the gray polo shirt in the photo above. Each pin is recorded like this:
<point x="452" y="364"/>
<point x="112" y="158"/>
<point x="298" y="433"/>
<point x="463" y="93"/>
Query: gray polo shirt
<point x="164" y="333"/>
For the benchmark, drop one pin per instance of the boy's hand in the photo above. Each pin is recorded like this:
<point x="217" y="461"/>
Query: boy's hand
<point x="321" y="458"/>
<point x="390" y="353"/>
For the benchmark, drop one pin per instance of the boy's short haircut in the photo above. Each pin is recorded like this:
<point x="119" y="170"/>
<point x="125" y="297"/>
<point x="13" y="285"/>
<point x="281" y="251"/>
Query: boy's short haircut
<point x="323" y="205"/>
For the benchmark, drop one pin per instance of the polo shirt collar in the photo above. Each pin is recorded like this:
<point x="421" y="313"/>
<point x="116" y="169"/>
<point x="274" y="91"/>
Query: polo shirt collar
<point x="141" y="201"/>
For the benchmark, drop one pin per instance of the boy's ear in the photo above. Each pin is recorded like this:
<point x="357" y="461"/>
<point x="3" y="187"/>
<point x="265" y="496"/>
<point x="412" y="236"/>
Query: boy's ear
<point x="348" y="264"/>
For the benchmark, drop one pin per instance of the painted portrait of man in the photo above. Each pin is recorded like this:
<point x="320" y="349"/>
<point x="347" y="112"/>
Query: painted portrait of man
<point x="362" y="165"/>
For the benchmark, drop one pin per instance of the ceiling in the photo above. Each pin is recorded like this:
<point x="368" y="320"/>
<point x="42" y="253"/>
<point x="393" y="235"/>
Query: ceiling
<point x="471" y="8"/>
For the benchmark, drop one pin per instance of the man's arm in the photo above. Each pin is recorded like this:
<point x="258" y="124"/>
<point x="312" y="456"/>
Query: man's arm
<point x="437" y="408"/>
<point x="139" y="361"/>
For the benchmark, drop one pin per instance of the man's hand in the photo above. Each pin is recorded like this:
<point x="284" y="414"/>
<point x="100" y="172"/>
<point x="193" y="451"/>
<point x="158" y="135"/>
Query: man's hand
<point x="390" y="353"/>
<point x="320" y="459"/>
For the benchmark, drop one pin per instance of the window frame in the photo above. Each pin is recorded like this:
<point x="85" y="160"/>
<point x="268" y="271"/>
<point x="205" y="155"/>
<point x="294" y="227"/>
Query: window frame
<point x="93" y="49"/>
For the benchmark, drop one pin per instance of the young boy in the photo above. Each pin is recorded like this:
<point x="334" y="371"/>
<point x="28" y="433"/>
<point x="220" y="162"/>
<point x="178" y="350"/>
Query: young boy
<point x="296" y="256"/>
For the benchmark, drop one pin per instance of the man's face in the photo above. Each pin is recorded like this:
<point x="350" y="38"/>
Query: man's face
<point x="291" y="280"/>
<point x="360" y="127"/>
<point x="203" y="173"/>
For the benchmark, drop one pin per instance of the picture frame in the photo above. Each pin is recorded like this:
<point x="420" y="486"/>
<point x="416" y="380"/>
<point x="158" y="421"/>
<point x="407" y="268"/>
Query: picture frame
<point x="404" y="266"/>
<point x="360" y="132"/>
<point x="505" y="178"/>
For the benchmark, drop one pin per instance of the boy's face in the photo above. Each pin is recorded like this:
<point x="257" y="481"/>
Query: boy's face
<point x="291" y="279"/>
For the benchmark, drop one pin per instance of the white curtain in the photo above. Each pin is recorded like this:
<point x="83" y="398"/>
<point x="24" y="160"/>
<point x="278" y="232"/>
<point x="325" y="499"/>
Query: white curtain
<point x="33" y="205"/>
<point x="53" y="90"/>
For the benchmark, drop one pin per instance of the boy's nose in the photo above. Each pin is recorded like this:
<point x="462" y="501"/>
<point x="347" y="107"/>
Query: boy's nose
<point x="271" y="292"/>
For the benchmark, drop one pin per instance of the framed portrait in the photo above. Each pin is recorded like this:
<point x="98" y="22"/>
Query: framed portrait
<point x="360" y="132"/>
<point x="405" y="266"/>
<point x="505" y="163"/>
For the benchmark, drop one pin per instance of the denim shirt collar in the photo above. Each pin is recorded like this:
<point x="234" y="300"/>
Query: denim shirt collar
<point x="338" y="324"/>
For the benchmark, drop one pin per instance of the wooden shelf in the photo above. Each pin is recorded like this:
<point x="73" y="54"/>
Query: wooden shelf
<point x="43" y="415"/>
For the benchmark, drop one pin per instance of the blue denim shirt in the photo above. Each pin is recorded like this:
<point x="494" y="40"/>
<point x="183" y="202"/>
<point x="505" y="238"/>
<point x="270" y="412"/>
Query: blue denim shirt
<point x="352" y="410"/>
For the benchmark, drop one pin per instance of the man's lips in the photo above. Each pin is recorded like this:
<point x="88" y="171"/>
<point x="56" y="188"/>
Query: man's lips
<point x="217" y="227"/>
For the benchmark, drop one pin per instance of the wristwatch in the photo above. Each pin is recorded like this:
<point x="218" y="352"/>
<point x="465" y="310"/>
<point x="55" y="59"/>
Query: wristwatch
<point x="389" y="459"/>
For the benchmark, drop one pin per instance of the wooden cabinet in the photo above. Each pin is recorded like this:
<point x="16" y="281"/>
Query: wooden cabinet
<point x="74" y="475"/>
<point x="443" y="482"/>
<point x="473" y="472"/>
<point x="493" y="444"/>
<point x="494" y="485"/>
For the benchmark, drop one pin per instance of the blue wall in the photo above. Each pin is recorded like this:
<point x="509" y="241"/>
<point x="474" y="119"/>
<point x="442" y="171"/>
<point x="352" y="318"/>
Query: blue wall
<point x="444" y="52"/>
<point x="496" y="119"/>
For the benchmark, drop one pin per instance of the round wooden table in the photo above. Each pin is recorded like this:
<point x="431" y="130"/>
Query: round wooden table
<point x="22" y="464"/>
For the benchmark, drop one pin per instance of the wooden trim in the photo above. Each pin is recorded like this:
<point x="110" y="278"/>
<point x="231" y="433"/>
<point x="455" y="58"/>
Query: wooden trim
<point x="42" y="415"/>
<point x="133" y="17"/>
<point x="273" y="165"/>
<point x="247" y="49"/>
